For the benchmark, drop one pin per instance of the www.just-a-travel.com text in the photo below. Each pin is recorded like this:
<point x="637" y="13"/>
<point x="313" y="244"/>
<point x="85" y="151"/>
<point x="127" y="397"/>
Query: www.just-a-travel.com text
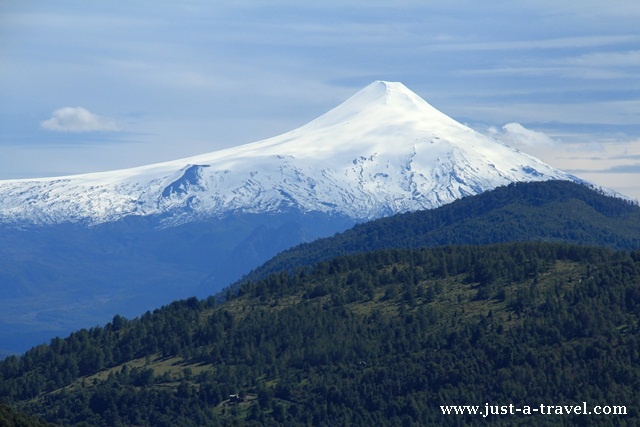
<point x="488" y="410"/>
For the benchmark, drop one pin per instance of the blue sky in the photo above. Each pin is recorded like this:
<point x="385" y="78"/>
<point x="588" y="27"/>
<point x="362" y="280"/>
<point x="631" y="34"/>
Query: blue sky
<point x="90" y="86"/>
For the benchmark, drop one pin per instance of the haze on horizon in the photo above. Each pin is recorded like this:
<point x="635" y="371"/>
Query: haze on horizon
<point x="93" y="86"/>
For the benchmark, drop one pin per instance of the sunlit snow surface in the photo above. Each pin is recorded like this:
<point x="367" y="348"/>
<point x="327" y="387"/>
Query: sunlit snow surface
<point x="383" y="151"/>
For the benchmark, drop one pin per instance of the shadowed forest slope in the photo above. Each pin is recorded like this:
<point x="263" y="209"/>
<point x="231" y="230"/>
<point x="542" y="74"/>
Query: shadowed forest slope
<point x="554" y="211"/>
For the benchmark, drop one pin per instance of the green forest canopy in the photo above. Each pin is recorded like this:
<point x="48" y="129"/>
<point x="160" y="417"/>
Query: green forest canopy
<point x="380" y="338"/>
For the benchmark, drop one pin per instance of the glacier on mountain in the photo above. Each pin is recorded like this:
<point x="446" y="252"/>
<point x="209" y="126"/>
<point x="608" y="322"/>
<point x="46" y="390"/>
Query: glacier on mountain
<point x="383" y="151"/>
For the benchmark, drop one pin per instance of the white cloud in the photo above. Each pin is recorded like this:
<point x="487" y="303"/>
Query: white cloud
<point x="613" y="164"/>
<point x="78" y="119"/>
<point x="517" y="135"/>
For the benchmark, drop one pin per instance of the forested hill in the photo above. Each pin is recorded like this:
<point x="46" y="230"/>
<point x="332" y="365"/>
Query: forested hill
<point x="557" y="211"/>
<point x="382" y="338"/>
<point x="10" y="418"/>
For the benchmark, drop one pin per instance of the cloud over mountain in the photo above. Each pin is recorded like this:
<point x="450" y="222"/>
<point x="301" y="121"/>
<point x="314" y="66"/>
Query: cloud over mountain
<point x="77" y="120"/>
<point x="516" y="134"/>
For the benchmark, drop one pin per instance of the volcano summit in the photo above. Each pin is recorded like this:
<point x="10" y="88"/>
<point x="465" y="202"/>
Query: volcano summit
<point x="383" y="151"/>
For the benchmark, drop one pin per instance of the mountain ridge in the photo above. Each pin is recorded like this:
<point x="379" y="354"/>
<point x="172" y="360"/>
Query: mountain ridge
<point x="559" y="211"/>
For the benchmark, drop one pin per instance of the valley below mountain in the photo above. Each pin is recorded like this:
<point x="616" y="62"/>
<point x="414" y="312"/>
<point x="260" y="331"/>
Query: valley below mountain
<point x="58" y="278"/>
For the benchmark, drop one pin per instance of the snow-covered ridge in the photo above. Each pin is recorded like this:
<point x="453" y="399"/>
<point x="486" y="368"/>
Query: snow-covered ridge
<point x="383" y="151"/>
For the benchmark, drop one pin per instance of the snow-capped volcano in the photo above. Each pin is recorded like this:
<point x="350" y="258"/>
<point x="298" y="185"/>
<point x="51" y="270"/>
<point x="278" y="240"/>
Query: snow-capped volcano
<point x="383" y="151"/>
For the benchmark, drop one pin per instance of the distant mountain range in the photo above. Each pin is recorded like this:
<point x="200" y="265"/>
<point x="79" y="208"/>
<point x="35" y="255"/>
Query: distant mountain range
<point x="78" y="249"/>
